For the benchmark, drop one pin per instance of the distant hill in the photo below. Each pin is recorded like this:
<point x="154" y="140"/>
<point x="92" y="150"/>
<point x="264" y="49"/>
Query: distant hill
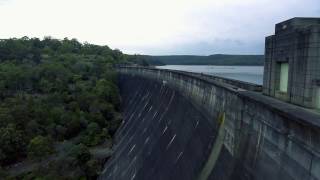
<point x="217" y="59"/>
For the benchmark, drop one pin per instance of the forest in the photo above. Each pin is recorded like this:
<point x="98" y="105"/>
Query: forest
<point x="59" y="104"/>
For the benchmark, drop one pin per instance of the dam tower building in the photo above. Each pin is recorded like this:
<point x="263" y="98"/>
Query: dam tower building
<point x="292" y="62"/>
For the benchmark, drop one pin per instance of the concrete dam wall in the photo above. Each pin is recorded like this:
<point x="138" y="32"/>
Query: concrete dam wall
<point x="179" y="125"/>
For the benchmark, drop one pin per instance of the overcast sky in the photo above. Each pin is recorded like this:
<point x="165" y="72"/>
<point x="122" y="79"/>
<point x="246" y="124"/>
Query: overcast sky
<point x="156" y="27"/>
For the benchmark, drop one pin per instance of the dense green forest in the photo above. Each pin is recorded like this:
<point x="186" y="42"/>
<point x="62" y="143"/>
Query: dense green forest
<point x="58" y="103"/>
<point x="217" y="59"/>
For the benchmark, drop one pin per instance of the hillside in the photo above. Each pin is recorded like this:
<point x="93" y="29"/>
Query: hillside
<point x="59" y="102"/>
<point x="217" y="59"/>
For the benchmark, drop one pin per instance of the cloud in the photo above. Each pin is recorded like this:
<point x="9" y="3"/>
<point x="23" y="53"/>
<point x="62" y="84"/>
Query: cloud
<point x="157" y="26"/>
<point x="233" y="27"/>
<point x="2" y="2"/>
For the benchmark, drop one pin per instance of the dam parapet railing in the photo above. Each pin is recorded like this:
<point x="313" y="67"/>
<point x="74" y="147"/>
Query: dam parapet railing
<point x="237" y="83"/>
<point x="245" y="90"/>
<point x="263" y="134"/>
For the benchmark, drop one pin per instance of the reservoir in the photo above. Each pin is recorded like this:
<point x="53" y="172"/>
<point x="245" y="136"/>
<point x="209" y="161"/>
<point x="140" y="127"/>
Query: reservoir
<point x="252" y="74"/>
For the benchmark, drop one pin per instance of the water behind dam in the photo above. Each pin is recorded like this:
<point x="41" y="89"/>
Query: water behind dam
<point x="252" y="74"/>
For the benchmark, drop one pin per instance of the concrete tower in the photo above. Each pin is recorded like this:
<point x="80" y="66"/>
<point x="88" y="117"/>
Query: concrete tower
<point x="292" y="62"/>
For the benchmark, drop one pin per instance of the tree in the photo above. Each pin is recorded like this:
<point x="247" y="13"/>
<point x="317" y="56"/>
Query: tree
<point x="33" y="128"/>
<point x="81" y="153"/>
<point x="39" y="147"/>
<point x="93" y="167"/>
<point x="60" y="132"/>
<point x="12" y="144"/>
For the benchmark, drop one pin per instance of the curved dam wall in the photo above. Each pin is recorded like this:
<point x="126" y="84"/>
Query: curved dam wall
<point x="181" y="126"/>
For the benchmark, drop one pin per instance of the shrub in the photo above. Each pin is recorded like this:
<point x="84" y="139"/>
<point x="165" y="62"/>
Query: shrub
<point x="81" y="153"/>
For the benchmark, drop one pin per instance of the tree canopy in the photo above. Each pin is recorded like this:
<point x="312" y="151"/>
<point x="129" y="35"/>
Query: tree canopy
<point x="53" y="91"/>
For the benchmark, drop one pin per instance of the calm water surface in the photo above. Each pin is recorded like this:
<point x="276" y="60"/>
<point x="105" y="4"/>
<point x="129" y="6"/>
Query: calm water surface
<point x="252" y="74"/>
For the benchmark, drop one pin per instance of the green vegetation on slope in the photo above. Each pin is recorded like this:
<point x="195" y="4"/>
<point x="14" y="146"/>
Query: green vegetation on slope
<point x="52" y="92"/>
<point x="217" y="59"/>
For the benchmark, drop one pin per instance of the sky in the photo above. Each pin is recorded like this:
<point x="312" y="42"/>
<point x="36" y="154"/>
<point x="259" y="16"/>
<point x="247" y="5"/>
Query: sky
<point x="155" y="27"/>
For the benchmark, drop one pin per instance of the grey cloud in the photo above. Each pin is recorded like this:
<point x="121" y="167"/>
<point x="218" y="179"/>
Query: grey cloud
<point x="237" y="29"/>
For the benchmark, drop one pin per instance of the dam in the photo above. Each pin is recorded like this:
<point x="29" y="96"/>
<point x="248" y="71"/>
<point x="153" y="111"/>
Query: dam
<point x="181" y="125"/>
